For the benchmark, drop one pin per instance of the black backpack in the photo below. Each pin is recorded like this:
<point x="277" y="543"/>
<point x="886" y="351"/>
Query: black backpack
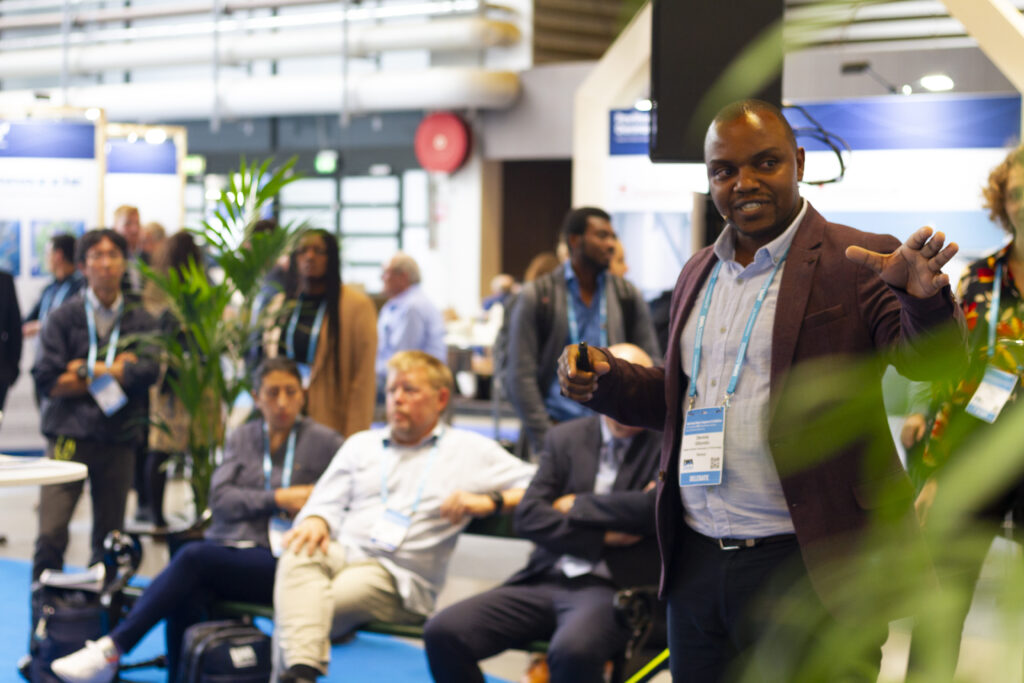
<point x="544" y="319"/>
<point x="66" y="619"/>
<point x="229" y="651"/>
<point x="67" y="612"/>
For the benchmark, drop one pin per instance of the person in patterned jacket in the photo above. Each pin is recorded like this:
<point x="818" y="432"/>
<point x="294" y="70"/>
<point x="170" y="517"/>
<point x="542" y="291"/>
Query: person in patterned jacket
<point x="991" y="294"/>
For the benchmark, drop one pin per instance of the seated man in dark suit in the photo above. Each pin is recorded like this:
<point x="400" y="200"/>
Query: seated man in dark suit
<point x="590" y="512"/>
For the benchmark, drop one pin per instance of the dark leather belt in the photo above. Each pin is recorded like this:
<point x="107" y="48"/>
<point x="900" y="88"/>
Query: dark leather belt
<point x="746" y="543"/>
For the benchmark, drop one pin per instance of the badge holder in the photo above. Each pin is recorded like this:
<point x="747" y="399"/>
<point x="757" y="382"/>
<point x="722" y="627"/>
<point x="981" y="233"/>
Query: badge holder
<point x="703" y="447"/>
<point x="277" y="527"/>
<point x="108" y="394"/>
<point x="306" y="374"/>
<point x="992" y="395"/>
<point x="390" y="529"/>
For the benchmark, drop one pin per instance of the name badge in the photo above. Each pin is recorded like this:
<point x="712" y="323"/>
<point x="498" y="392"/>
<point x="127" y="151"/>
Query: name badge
<point x="276" y="529"/>
<point x="993" y="393"/>
<point x="389" y="531"/>
<point x="108" y="394"/>
<point x="306" y="373"/>
<point x="703" y="447"/>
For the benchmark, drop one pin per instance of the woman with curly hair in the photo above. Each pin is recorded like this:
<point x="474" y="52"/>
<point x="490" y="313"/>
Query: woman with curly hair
<point x="991" y="294"/>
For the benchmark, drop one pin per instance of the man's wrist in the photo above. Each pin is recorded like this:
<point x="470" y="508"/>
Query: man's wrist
<point x="498" y="500"/>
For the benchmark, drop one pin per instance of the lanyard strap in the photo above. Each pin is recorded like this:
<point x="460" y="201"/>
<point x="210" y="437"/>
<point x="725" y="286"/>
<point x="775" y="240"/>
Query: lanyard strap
<point x="423" y="479"/>
<point x="115" y="335"/>
<point x="314" y="334"/>
<point x="54" y="297"/>
<point x="574" y="327"/>
<point x="993" y="313"/>
<point x="289" y="459"/>
<point x="741" y="355"/>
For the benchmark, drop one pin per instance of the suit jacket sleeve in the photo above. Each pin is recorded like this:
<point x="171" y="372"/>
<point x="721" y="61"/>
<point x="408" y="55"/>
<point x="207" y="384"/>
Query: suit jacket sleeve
<point x="54" y="351"/>
<point x="231" y="500"/>
<point x="541" y="523"/>
<point x="631" y="394"/>
<point x="899" y="322"/>
<point x="521" y="375"/>
<point x="629" y="511"/>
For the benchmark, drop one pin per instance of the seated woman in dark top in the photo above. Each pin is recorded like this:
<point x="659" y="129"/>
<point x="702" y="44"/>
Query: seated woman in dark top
<point x="269" y="468"/>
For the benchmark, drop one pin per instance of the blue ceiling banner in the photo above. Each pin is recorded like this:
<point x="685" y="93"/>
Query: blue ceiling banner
<point x="47" y="139"/>
<point x="873" y="123"/>
<point x="914" y="122"/>
<point x="141" y="157"/>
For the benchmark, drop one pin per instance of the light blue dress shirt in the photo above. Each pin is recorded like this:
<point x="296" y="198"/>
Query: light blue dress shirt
<point x="749" y="502"/>
<point x="588" y="318"/>
<point x="409" y="321"/>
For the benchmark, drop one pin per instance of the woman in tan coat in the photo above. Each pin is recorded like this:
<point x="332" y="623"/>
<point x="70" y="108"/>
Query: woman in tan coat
<point x="330" y="330"/>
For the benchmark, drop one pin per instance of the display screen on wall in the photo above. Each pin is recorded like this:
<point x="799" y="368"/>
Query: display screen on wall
<point x="692" y="46"/>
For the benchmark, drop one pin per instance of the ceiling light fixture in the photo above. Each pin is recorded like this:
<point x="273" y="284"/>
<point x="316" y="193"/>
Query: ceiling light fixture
<point x="848" y="68"/>
<point x="937" y="83"/>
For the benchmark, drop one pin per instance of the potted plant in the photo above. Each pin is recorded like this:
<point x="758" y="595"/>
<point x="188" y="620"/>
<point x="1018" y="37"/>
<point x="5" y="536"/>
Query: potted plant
<point x="205" y="363"/>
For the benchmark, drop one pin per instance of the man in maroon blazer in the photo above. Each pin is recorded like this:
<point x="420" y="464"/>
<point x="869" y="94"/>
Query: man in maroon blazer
<point x="781" y="287"/>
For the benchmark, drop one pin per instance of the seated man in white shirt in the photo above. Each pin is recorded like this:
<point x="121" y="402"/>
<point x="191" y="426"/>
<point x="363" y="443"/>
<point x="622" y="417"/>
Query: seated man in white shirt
<point x="373" y="541"/>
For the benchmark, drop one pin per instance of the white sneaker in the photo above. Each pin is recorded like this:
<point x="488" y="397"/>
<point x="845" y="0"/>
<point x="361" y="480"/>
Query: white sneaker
<point x="94" y="663"/>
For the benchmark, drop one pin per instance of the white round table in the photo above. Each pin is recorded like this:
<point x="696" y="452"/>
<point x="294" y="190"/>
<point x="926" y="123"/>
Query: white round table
<point x="17" y="470"/>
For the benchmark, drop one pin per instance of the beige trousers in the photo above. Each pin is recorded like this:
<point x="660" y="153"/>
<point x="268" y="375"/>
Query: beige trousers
<point x="324" y="594"/>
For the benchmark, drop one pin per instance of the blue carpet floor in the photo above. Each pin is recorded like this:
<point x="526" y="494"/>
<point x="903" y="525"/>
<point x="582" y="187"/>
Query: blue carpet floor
<point x="370" y="658"/>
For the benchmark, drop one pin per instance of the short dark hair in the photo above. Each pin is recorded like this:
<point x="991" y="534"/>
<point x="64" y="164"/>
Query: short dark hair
<point x="65" y="244"/>
<point x="276" y="364"/>
<point x="94" y="237"/>
<point x="575" y="222"/>
<point x="735" y="110"/>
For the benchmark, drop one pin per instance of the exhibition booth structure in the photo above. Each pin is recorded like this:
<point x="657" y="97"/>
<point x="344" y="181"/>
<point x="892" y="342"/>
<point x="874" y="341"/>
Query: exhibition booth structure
<point x="888" y="164"/>
<point x="66" y="170"/>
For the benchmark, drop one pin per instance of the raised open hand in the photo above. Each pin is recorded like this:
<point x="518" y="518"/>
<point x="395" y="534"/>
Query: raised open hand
<point x="916" y="266"/>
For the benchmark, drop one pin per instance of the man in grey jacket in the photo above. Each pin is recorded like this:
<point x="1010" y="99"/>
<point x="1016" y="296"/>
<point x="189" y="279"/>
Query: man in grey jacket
<point x="95" y="369"/>
<point x="579" y="301"/>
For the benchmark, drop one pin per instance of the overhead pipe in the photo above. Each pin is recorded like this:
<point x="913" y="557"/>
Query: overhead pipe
<point x="11" y="22"/>
<point x="437" y="88"/>
<point x="466" y="33"/>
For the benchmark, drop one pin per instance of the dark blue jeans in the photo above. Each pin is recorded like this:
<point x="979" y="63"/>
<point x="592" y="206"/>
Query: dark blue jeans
<point x="721" y="603"/>
<point x="199" y="574"/>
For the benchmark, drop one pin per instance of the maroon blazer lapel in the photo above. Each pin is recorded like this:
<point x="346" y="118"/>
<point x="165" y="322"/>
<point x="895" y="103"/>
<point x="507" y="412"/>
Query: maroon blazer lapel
<point x="794" y="291"/>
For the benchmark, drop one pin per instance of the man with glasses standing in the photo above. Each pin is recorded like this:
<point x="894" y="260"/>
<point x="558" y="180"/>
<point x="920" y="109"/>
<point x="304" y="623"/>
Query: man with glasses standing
<point x="93" y="372"/>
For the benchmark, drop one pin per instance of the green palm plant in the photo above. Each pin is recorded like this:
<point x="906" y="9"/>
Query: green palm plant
<point x="218" y="325"/>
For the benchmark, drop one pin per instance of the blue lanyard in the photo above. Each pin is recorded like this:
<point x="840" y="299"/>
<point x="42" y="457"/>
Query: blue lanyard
<point x="993" y="314"/>
<point x="574" y="327"/>
<point x="423" y="480"/>
<point x="115" y="335"/>
<point x="289" y="459"/>
<point x="54" y="298"/>
<point x="741" y="355"/>
<point x="314" y="334"/>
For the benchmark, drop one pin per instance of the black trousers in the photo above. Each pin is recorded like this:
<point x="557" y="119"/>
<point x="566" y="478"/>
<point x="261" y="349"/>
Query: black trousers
<point x="110" y="477"/>
<point x="725" y="605"/>
<point x="576" y="614"/>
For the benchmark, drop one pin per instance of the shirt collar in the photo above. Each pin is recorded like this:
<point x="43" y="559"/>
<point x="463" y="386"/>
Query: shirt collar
<point x="573" y="282"/>
<point x="403" y="295"/>
<point x="607" y="438"/>
<point x="429" y="440"/>
<point x="94" y="300"/>
<point x="725" y="245"/>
